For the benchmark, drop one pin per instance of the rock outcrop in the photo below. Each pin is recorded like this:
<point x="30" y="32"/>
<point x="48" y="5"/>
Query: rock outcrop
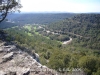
<point x="14" y="61"/>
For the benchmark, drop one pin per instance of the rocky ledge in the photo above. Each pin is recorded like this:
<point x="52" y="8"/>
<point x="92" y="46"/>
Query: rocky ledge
<point x="14" y="61"/>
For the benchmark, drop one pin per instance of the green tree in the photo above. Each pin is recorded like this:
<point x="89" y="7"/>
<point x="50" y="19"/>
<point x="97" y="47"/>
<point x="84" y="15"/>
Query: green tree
<point x="98" y="72"/>
<point x="88" y="64"/>
<point x="47" y="55"/>
<point x="60" y="60"/>
<point x="8" y="6"/>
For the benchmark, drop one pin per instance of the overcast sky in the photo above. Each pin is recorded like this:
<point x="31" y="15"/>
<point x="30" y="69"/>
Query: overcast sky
<point x="75" y="6"/>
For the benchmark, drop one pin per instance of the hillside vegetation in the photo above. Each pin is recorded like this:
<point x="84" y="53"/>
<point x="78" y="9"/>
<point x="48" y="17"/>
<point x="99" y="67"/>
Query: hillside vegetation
<point x="86" y="26"/>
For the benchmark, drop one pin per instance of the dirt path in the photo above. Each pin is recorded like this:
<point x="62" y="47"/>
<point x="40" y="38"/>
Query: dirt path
<point x="67" y="42"/>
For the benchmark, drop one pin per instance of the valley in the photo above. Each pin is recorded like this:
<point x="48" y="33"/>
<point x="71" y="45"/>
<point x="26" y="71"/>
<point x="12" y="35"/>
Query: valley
<point x="72" y="42"/>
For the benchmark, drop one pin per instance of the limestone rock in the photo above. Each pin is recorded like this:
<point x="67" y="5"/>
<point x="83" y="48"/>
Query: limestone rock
<point x="1" y="50"/>
<point x="2" y="73"/>
<point x="11" y="73"/>
<point x="7" y="57"/>
<point x="37" y="57"/>
<point x="14" y="61"/>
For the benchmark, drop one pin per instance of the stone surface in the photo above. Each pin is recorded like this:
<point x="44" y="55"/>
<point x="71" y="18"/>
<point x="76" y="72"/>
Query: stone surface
<point x="2" y="72"/>
<point x="7" y="57"/>
<point x="14" y="61"/>
<point x="1" y="50"/>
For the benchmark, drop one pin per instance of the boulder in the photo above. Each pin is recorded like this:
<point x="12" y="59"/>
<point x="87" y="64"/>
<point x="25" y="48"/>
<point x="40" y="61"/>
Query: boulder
<point x="23" y="71"/>
<point x="2" y="43"/>
<point x="9" y="48"/>
<point x="1" y="50"/>
<point x="17" y="70"/>
<point x="37" y="58"/>
<point x="2" y="73"/>
<point x="7" y="57"/>
<point x="11" y="73"/>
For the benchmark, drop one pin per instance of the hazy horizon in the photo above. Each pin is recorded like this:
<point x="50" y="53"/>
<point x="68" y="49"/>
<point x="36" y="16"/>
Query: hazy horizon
<point x="56" y="12"/>
<point x="60" y="6"/>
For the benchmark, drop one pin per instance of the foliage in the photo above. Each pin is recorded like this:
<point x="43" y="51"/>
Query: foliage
<point x="89" y="64"/>
<point x="84" y="26"/>
<point x="8" y="6"/>
<point x="59" y="60"/>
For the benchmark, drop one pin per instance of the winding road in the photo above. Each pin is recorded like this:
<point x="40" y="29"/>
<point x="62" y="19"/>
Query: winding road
<point x="67" y="42"/>
<point x="64" y="42"/>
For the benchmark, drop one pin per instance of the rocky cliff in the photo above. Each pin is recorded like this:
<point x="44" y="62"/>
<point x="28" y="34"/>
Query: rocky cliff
<point x="14" y="61"/>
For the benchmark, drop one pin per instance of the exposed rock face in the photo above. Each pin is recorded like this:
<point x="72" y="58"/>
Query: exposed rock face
<point x="14" y="61"/>
<point x="7" y="57"/>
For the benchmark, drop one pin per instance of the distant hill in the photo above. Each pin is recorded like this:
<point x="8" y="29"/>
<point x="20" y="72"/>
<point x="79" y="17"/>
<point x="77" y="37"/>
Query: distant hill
<point x="84" y="25"/>
<point x="80" y="24"/>
<point x="39" y="18"/>
<point x="7" y="24"/>
<point x="12" y="16"/>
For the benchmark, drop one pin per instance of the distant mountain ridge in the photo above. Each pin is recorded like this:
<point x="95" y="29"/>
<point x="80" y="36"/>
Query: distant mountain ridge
<point x="39" y="18"/>
<point x="78" y="23"/>
<point x="7" y="24"/>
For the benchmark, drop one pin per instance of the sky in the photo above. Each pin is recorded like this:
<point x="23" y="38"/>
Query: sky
<point x="74" y="6"/>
